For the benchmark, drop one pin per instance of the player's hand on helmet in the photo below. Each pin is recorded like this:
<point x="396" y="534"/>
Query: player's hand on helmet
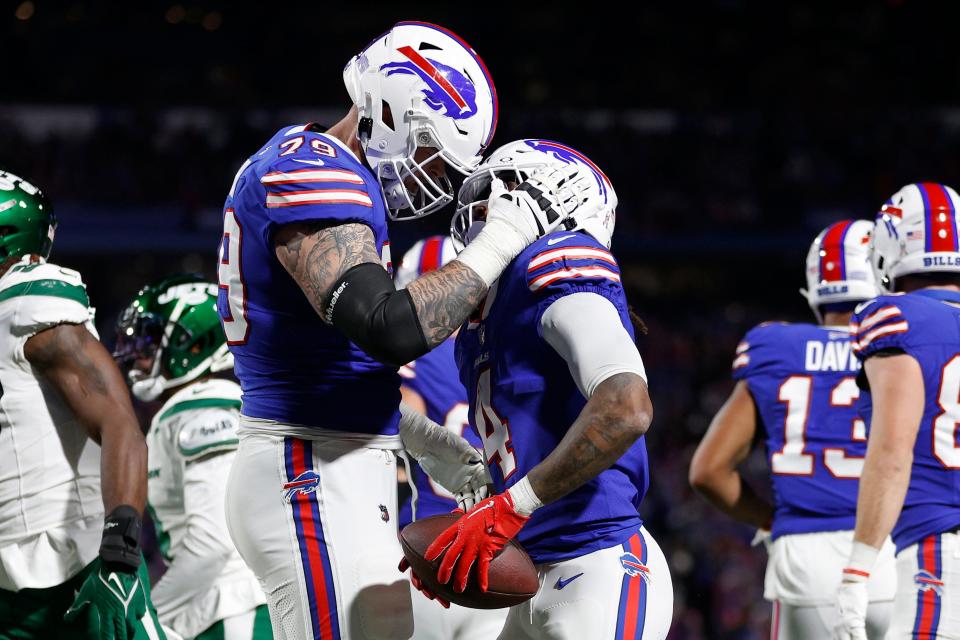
<point x="419" y="586"/>
<point x="852" y="602"/>
<point x="539" y="204"/>
<point x="109" y="603"/>
<point x="475" y="539"/>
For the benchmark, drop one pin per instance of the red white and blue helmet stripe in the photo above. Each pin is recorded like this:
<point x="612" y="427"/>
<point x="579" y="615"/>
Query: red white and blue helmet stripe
<point x="423" y="257"/>
<point x="833" y="257"/>
<point x="940" y="218"/>
<point x="486" y="73"/>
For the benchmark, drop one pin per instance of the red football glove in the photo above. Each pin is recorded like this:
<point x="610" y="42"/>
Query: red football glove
<point x="475" y="537"/>
<point x="419" y="586"/>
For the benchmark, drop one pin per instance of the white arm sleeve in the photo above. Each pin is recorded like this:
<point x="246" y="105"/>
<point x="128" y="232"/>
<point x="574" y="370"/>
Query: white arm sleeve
<point x="585" y="329"/>
<point x="206" y="545"/>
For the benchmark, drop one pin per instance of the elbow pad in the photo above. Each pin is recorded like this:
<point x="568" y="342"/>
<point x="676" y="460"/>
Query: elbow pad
<point x="366" y="307"/>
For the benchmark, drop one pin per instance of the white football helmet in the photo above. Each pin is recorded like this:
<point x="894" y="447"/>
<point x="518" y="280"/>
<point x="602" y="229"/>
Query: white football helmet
<point x="838" y="266"/>
<point x="513" y="163"/>
<point x="916" y="231"/>
<point x="426" y="255"/>
<point x="419" y="85"/>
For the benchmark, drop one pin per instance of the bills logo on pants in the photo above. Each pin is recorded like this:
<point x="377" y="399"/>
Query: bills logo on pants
<point x="633" y="592"/>
<point x="929" y="588"/>
<point x="301" y="493"/>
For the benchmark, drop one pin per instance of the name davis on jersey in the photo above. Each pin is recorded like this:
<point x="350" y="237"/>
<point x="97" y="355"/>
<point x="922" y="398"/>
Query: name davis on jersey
<point x="830" y="356"/>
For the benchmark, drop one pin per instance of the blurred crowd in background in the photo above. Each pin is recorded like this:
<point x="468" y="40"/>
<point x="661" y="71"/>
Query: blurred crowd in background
<point x="732" y="131"/>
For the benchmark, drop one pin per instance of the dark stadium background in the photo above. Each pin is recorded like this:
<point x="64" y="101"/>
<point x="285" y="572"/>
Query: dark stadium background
<point x="733" y="131"/>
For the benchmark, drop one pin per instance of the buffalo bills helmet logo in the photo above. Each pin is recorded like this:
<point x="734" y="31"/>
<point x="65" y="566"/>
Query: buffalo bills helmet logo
<point x="304" y="484"/>
<point x="567" y="155"/>
<point x="447" y="90"/>
<point x="926" y="581"/>
<point x="633" y="567"/>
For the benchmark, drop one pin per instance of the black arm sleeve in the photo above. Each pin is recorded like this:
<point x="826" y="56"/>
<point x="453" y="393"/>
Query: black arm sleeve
<point x="367" y="308"/>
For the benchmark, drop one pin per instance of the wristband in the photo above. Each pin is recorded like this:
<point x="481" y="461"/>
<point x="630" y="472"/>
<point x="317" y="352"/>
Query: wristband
<point x="525" y="501"/>
<point x="491" y="251"/>
<point x="862" y="558"/>
<point x="120" y="546"/>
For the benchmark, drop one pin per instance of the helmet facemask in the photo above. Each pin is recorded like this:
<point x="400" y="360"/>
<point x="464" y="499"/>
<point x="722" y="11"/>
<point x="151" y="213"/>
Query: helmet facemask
<point x="472" y="200"/>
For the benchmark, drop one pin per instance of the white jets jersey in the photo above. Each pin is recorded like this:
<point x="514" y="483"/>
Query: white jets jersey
<point x="191" y="443"/>
<point x="51" y="512"/>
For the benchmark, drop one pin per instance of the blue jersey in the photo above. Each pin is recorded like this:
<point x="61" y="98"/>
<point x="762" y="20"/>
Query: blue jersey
<point x="523" y="398"/>
<point x="803" y="381"/>
<point x="926" y="325"/>
<point x="434" y="378"/>
<point x="293" y="367"/>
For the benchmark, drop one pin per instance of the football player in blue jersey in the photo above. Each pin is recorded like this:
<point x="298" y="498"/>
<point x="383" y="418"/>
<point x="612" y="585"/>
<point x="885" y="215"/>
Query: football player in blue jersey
<point x="796" y="384"/>
<point x="431" y="386"/>
<point x="318" y="330"/>
<point x="559" y="397"/>
<point x="909" y="343"/>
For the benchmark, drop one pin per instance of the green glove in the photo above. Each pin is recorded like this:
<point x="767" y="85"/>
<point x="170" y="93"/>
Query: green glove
<point x="109" y="604"/>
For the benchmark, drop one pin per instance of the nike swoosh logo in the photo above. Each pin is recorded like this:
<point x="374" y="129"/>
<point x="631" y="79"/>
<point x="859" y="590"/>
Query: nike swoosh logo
<point x="553" y="241"/>
<point x="318" y="162"/>
<point x="561" y="583"/>
<point x="489" y="505"/>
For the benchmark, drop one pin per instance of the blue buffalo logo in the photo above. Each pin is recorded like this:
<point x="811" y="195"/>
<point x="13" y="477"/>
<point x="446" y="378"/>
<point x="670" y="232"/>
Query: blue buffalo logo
<point x="926" y="581"/>
<point x="447" y="90"/>
<point x="567" y="155"/>
<point x="633" y="567"/>
<point x="304" y="484"/>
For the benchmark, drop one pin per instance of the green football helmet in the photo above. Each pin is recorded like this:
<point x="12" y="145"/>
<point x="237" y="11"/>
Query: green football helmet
<point x="170" y="335"/>
<point x="27" y="222"/>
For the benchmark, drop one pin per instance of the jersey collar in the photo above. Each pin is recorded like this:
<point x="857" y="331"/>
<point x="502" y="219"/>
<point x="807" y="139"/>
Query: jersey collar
<point x="944" y="295"/>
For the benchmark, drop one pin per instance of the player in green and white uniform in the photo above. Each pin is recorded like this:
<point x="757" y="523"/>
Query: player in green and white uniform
<point x="170" y="343"/>
<point x="66" y="570"/>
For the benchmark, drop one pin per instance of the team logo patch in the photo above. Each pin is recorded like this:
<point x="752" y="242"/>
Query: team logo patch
<point x="633" y="567"/>
<point x="448" y="90"/>
<point x="926" y="581"/>
<point x="568" y="155"/>
<point x="304" y="484"/>
<point x="384" y="514"/>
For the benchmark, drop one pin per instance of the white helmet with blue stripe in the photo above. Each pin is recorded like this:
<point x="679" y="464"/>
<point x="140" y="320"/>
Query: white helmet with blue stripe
<point x="838" y="266"/>
<point x="416" y="86"/>
<point x="916" y="232"/>
<point x="423" y="257"/>
<point x="513" y="163"/>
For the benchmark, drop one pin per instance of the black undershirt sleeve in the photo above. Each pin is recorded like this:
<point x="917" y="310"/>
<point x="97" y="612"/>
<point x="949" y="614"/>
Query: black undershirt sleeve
<point x="367" y="308"/>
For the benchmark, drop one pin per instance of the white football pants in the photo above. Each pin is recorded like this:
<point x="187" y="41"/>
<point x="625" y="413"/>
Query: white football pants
<point x="619" y="593"/>
<point x="927" y="605"/>
<point x="316" y="521"/>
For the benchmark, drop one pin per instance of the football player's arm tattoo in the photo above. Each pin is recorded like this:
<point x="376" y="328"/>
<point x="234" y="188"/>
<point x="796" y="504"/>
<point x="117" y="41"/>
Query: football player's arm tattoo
<point x="444" y="298"/>
<point x="87" y="378"/>
<point x="317" y="255"/>
<point x="727" y="443"/>
<point x="615" y="416"/>
<point x="897" y="393"/>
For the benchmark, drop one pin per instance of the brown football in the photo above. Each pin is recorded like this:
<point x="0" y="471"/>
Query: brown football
<point x="512" y="578"/>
